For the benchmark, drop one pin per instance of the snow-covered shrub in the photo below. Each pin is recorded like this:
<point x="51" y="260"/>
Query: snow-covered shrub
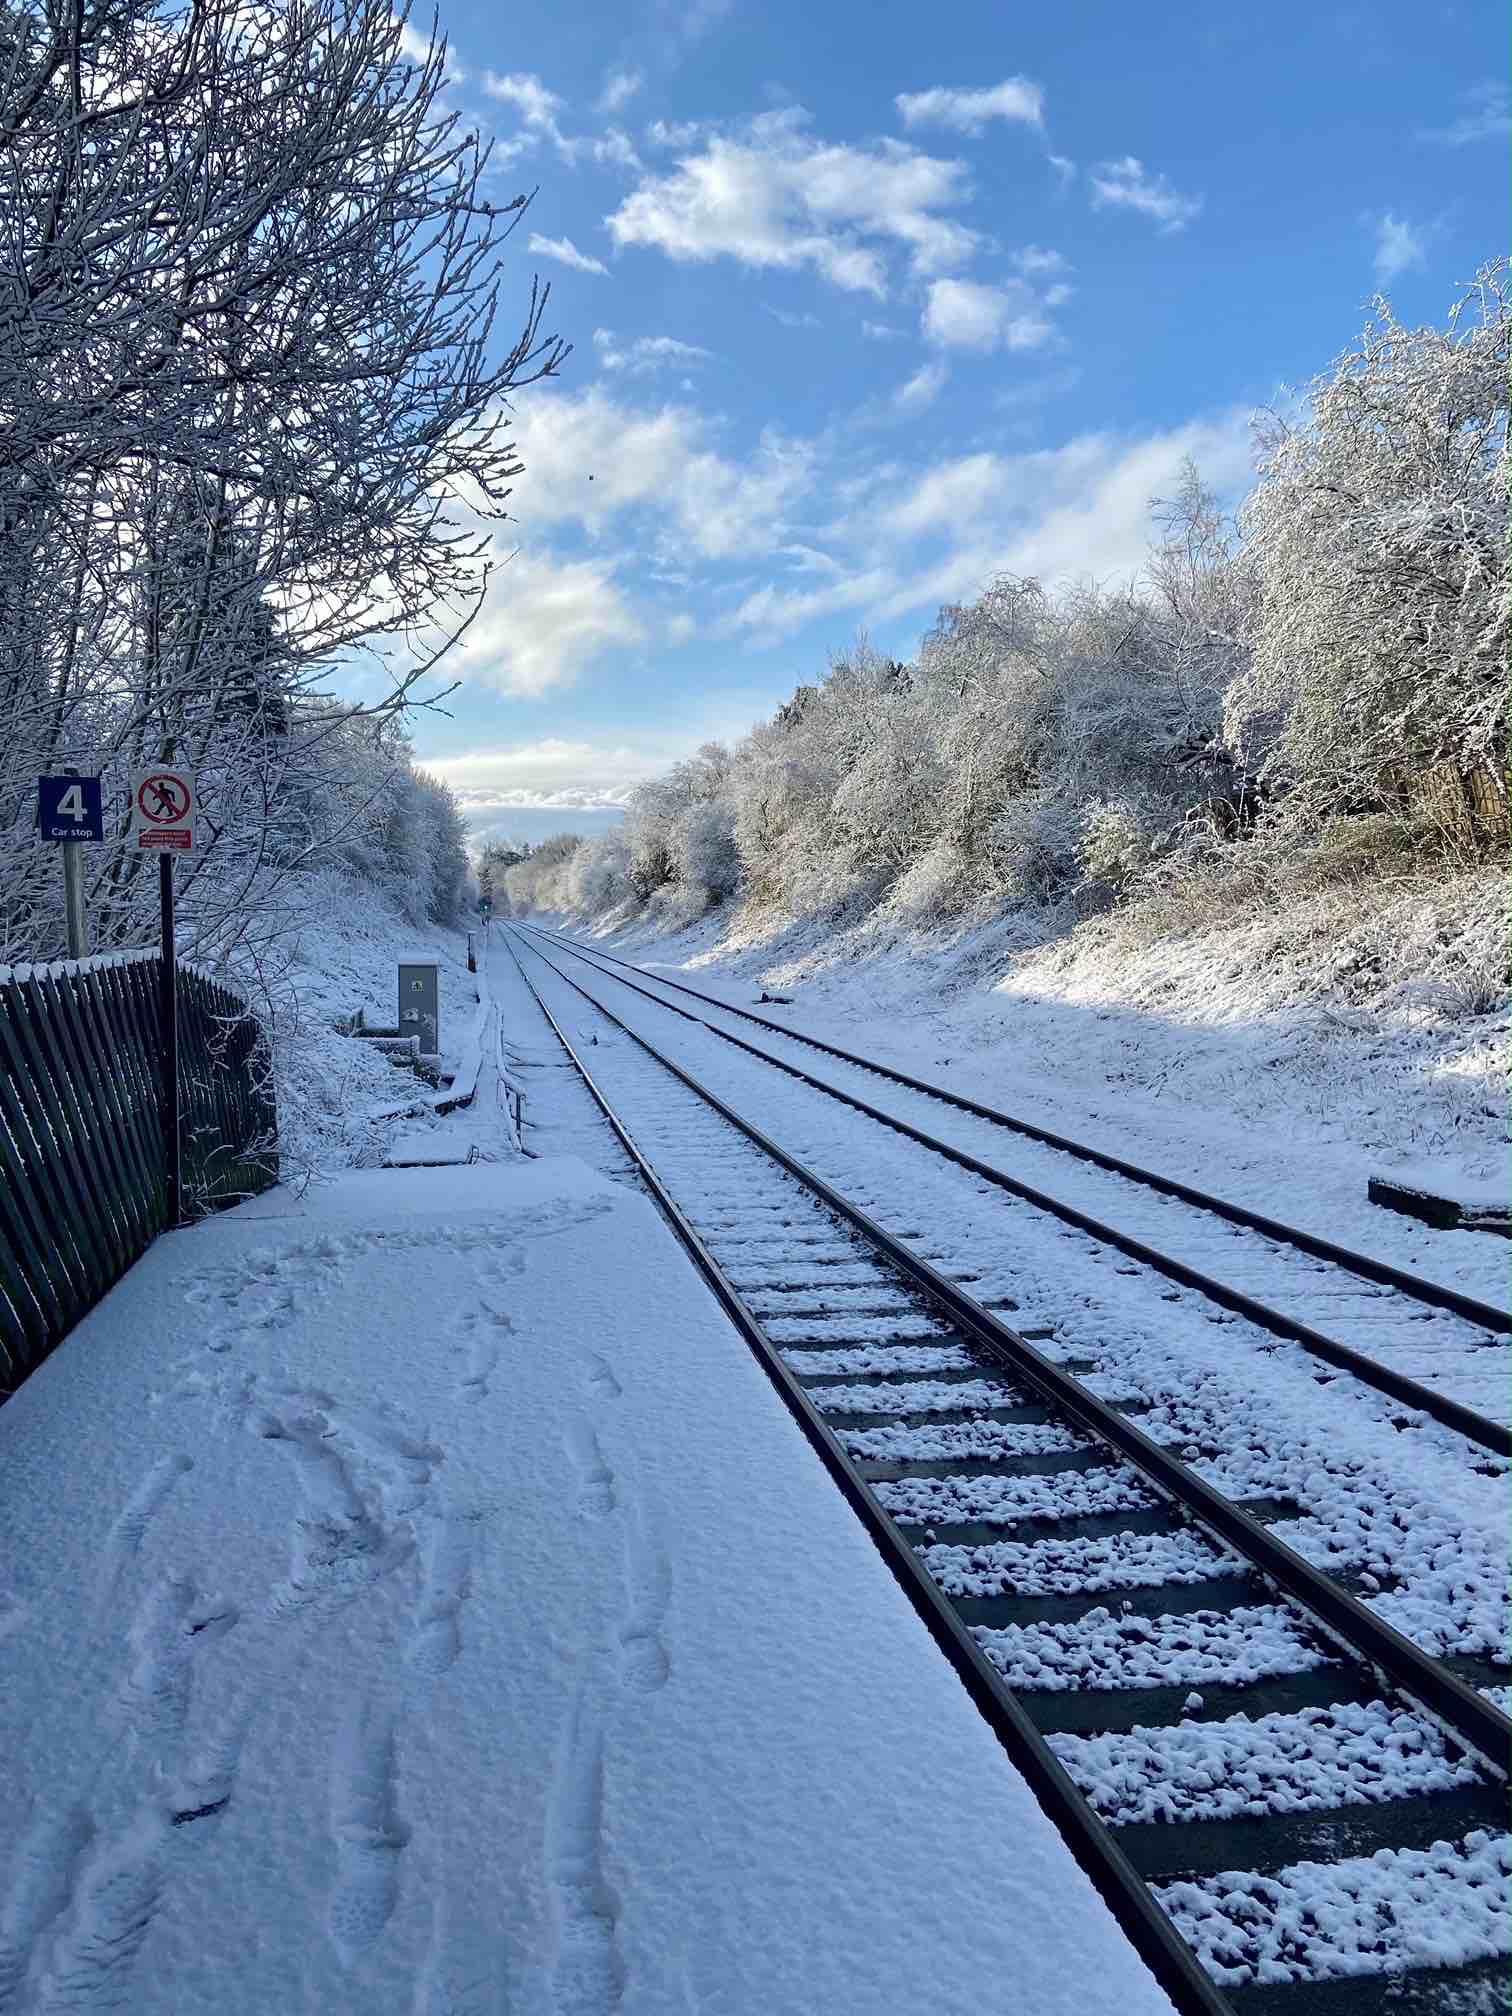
<point x="705" y="858"/>
<point x="1120" y="838"/>
<point x="598" y="875"/>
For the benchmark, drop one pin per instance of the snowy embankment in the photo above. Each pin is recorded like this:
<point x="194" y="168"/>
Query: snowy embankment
<point x="345" y="956"/>
<point x="1279" y="1060"/>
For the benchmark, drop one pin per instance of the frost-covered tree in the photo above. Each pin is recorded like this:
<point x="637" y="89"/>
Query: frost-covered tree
<point x="1378" y="535"/>
<point x="252" y="410"/>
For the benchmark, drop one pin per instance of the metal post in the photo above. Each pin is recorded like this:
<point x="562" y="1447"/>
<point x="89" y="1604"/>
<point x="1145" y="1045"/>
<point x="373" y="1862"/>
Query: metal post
<point x="73" y="899"/>
<point x="168" y="1016"/>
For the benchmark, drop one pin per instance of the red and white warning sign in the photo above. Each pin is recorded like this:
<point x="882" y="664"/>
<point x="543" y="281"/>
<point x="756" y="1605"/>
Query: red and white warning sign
<point x="163" y="806"/>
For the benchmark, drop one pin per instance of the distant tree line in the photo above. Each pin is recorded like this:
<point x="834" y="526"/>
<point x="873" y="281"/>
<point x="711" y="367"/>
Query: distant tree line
<point x="252" y="434"/>
<point x="1320" y="680"/>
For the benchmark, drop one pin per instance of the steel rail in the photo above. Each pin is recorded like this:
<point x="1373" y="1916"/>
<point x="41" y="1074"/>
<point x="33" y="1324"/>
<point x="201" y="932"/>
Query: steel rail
<point x="1478" y="1428"/>
<point x="1433" y="1293"/>
<point x="1479" y="1725"/>
<point x="1150" y="1932"/>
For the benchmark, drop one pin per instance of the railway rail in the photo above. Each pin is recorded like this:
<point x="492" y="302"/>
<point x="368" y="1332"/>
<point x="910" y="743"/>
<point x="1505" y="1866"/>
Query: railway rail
<point x="1288" y="1804"/>
<point x="1291" y="1275"/>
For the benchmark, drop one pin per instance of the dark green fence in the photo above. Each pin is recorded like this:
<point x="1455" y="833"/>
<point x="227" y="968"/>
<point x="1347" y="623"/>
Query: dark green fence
<point x="82" y="1163"/>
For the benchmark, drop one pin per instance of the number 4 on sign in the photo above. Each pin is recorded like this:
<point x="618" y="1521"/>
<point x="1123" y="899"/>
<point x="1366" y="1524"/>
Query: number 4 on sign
<point x="71" y="804"/>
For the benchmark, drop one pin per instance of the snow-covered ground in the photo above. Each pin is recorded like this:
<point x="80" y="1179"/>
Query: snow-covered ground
<point x="417" y="1637"/>
<point x="335" y="1095"/>
<point x="1243" y="1077"/>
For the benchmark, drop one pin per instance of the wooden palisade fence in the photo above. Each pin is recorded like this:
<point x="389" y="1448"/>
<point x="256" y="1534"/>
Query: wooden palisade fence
<point x="83" y="1188"/>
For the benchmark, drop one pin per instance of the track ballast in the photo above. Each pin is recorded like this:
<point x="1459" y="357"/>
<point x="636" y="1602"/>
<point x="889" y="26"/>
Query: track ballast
<point x="1283" y="1799"/>
<point x="1285" y="1279"/>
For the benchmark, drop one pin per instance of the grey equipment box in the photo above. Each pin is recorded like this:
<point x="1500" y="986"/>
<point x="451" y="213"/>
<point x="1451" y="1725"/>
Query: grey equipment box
<point x="420" y="1006"/>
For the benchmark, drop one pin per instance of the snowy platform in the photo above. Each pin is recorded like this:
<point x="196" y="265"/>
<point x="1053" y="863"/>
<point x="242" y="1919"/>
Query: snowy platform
<point x="415" y="1600"/>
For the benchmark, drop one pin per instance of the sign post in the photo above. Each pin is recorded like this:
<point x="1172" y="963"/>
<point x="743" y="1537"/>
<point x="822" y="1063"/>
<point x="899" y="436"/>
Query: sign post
<point x="70" y="811"/>
<point x="163" y="807"/>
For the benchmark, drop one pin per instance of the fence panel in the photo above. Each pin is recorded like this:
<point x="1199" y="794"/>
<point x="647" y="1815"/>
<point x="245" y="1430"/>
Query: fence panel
<point x="83" y="1174"/>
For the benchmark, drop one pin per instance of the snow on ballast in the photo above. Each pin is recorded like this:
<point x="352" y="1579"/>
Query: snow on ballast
<point x="1011" y="1511"/>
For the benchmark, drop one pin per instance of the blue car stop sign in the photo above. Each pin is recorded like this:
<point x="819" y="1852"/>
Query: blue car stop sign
<point x="70" y="808"/>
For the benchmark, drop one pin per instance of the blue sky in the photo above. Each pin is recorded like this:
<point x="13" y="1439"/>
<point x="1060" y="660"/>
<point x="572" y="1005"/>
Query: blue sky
<point x="870" y="304"/>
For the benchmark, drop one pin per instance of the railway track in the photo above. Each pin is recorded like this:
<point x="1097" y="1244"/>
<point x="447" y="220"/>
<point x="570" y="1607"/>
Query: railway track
<point x="1283" y="1278"/>
<point x="1289" y="1804"/>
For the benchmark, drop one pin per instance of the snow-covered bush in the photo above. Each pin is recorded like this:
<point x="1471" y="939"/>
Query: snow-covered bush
<point x="1120" y="838"/>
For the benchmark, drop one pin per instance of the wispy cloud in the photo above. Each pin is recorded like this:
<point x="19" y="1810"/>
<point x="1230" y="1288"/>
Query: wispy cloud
<point x="540" y="111"/>
<point x="1039" y="259"/>
<point x="880" y="332"/>
<point x="922" y="390"/>
<point x="1127" y="185"/>
<point x="967" y="111"/>
<point x="792" y="320"/>
<point x="619" y="88"/>
<point x="1486" y="115"/>
<point x="536" y="106"/>
<point x="563" y="250"/>
<point x="1399" y="244"/>
<point x="646" y="353"/>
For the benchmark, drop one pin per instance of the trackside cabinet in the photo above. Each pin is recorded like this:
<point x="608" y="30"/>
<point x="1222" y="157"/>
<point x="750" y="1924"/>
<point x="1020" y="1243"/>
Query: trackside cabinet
<point x="420" y="1006"/>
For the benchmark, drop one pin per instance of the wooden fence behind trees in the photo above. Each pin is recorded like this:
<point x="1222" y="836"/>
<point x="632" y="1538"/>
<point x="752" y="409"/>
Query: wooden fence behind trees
<point x="83" y="1168"/>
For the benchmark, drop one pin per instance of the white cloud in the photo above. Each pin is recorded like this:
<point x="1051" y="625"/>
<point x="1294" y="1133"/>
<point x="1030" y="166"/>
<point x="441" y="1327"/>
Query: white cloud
<point x="790" y="320"/>
<point x="646" y="353"/>
<point x="968" y="315"/>
<point x="1399" y="245"/>
<point x="922" y="390"/>
<point x="611" y="149"/>
<point x="771" y="613"/>
<point x="1064" y="168"/>
<point x="775" y="197"/>
<point x="1040" y="259"/>
<point x="1487" y="115"/>
<point x="675" y="132"/>
<point x="550" y="773"/>
<point x="539" y="110"/>
<point x="619" y="88"/>
<point x="566" y="252"/>
<point x="529" y="96"/>
<point x="589" y="459"/>
<point x="543" y="622"/>
<point x="537" y="107"/>
<point x="880" y="332"/>
<point x="1127" y="185"/>
<point x="1078" y="511"/>
<point x="415" y="46"/>
<point x="969" y="111"/>
<point x="691" y="20"/>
